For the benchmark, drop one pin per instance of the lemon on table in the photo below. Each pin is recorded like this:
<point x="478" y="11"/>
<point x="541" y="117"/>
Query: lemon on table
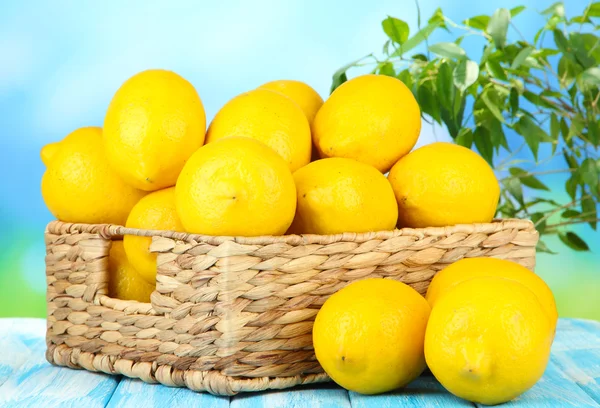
<point x="443" y="184"/>
<point x="469" y="268"/>
<point x="305" y="96"/>
<point x="368" y="337"/>
<point x="237" y="187"/>
<point x="156" y="211"/>
<point x="124" y="282"/>
<point x="374" y="119"/>
<point x="339" y="195"/>
<point x="488" y="340"/>
<point x="154" y="123"/>
<point x="269" y="117"/>
<point x="80" y="186"/>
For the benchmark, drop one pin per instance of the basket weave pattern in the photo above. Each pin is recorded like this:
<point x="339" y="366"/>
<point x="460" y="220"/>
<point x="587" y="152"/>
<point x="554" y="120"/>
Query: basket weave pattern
<point x="236" y="314"/>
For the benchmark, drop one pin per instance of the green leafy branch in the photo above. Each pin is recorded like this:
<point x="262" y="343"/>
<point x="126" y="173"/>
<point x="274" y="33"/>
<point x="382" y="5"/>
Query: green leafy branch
<point x="544" y="90"/>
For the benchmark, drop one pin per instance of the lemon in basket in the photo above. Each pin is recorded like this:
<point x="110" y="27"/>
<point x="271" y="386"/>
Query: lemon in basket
<point x="305" y="96"/>
<point x="443" y="184"/>
<point x="153" y="124"/>
<point x="238" y="187"/>
<point x="80" y="186"/>
<point x="269" y="117"/>
<point x="124" y="282"/>
<point x="156" y="211"/>
<point x="338" y="195"/>
<point x="374" y="119"/>
<point x="488" y="340"/>
<point x="469" y="268"/>
<point x="368" y="337"/>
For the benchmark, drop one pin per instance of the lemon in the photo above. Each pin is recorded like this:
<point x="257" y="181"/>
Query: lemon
<point x="237" y="187"/>
<point x="80" y="186"/>
<point x="124" y="282"/>
<point x="155" y="211"/>
<point x="368" y="337"/>
<point x="488" y="340"/>
<point x="374" y="119"/>
<point x="269" y="117"/>
<point x="154" y="123"/>
<point x="306" y="97"/>
<point x="443" y="184"/>
<point x="469" y="268"/>
<point x="339" y="195"/>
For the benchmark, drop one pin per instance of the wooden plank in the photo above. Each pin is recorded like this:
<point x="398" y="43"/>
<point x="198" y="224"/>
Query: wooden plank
<point x="38" y="384"/>
<point x="132" y="393"/>
<point x="425" y="391"/>
<point x="19" y="339"/>
<point x="315" y="396"/>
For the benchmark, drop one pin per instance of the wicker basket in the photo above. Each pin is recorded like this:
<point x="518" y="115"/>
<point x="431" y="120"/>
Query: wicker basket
<point x="235" y="314"/>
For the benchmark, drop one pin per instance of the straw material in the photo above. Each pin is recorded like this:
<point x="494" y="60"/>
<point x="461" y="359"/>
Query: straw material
<point x="234" y="314"/>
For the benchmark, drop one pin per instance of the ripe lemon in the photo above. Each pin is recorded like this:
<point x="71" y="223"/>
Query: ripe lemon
<point x="237" y="187"/>
<point x="488" y="340"/>
<point x="124" y="282"/>
<point x="444" y="184"/>
<point x="374" y="119"/>
<point x="339" y="195"/>
<point x="155" y="211"/>
<point x="80" y="186"/>
<point x="269" y="117"/>
<point x="469" y="268"/>
<point x="306" y="97"/>
<point x="154" y="123"/>
<point x="368" y="337"/>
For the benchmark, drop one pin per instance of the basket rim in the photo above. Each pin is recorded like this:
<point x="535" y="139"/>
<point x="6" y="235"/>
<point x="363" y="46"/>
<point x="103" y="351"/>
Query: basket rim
<point x="110" y="231"/>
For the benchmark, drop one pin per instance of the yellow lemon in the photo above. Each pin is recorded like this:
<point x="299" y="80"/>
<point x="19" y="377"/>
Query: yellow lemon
<point x="374" y="119"/>
<point x="154" y="123"/>
<point x="155" y="211"/>
<point x="237" y="187"/>
<point x="488" y="340"/>
<point x="124" y="281"/>
<point x="306" y="97"/>
<point x="269" y="117"/>
<point x="368" y="337"/>
<point x="443" y="184"/>
<point x="339" y="195"/>
<point x="80" y="186"/>
<point x="469" y="268"/>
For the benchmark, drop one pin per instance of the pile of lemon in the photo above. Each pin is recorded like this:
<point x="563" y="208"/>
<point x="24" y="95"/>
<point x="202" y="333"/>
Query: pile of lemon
<point x="279" y="160"/>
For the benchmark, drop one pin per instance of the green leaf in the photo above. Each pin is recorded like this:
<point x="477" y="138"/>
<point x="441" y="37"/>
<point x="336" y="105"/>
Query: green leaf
<point x="445" y="86"/>
<point x="542" y="247"/>
<point x="589" y="79"/>
<point x="571" y="186"/>
<point x="484" y="144"/>
<point x="567" y="71"/>
<point x="560" y="40"/>
<point x="465" y="74"/>
<point x="570" y="214"/>
<point x="521" y="56"/>
<point x="571" y="161"/>
<point x="464" y="138"/>
<point x="580" y="45"/>
<point x="540" y="226"/>
<point x="514" y="187"/>
<point x="514" y="102"/>
<point x="588" y="173"/>
<point x="516" y="10"/>
<point x="491" y="105"/>
<point x="477" y="22"/>
<point x="573" y="241"/>
<point x="557" y="9"/>
<point x="588" y="209"/>
<point x="387" y="69"/>
<point x="448" y="50"/>
<point x="495" y="69"/>
<point x="396" y="29"/>
<point x="498" y="26"/>
<point x="593" y="10"/>
<point x="416" y="39"/>
<point x="532" y="133"/>
<point x="386" y="47"/>
<point x="428" y="103"/>
<point x="564" y="130"/>
<point x="554" y="131"/>
<point x="339" y="76"/>
<point x="528" y="179"/>
<point x="420" y="57"/>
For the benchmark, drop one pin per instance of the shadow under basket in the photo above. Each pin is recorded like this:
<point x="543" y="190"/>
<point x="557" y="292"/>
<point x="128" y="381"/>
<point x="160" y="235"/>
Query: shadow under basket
<point x="235" y="314"/>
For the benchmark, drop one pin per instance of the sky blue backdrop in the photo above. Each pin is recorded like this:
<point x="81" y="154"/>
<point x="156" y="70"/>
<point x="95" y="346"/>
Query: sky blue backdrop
<point x="61" y="61"/>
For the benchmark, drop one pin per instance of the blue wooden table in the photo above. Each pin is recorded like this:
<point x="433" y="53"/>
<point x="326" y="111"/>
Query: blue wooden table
<point x="572" y="379"/>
